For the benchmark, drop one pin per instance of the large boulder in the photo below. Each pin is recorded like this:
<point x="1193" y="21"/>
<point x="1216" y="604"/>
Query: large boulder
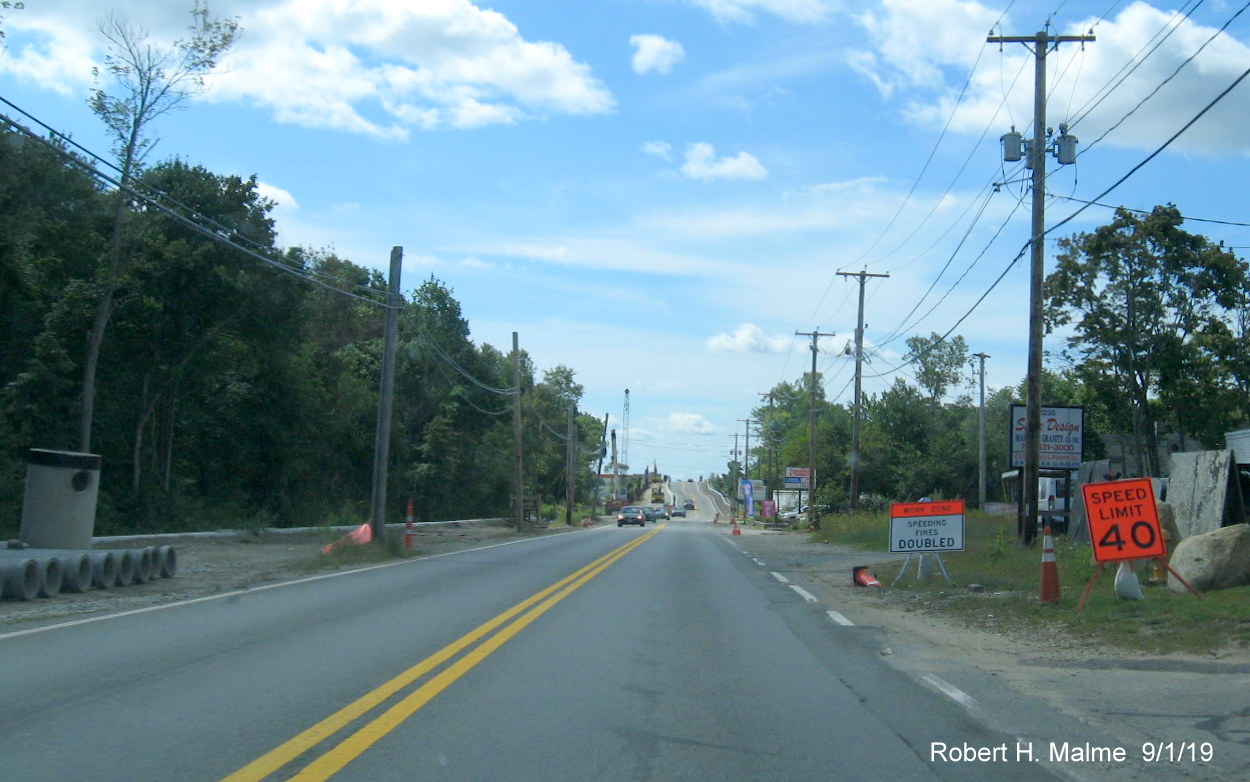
<point x="1213" y="560"/>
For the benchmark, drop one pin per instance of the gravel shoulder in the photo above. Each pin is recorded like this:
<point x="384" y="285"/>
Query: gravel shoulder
<point x="228" y="563"/>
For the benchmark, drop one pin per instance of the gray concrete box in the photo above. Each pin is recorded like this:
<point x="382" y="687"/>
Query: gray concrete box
<point x="58" y="509"/>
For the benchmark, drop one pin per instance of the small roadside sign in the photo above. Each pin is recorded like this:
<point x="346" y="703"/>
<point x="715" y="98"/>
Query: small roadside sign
<point x="798" y="478"/>
<point x="1123" y="520"/>
<point x="920" y="527"/>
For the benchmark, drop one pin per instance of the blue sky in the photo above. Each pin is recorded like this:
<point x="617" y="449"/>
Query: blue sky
<point x="659" y="193"/>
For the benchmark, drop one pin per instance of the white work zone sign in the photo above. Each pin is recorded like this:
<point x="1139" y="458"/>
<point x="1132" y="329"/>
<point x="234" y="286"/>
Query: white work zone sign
<point x="920" y="527"/>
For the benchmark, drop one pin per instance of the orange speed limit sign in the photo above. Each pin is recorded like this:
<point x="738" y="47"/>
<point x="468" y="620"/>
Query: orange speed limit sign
<point x="1123" y="520"/>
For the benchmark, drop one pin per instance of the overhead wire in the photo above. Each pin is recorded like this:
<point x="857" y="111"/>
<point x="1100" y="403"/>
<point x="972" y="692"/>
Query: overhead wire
<point x="170" y="206"/>
<point x="1214" y="101"/>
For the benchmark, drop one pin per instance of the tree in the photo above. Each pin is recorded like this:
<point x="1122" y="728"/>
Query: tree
<point x="939" y="362"/>
<point x="150" y="81"/>
<point x="4" y="6"/>
<point x="1144" y="298"/>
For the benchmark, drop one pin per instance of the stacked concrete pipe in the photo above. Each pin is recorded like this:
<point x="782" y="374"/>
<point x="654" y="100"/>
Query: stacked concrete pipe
<point x="48" y="569"/>
<point x="71" y="570"/>
<point x="75" y="566"/>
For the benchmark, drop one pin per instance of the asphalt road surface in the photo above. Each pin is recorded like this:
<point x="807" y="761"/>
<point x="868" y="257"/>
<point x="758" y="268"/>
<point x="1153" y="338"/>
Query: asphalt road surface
<point x="657" y="653"/>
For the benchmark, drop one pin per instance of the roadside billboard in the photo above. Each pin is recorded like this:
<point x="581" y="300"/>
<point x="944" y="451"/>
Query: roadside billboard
<point x="1062" y="441"/>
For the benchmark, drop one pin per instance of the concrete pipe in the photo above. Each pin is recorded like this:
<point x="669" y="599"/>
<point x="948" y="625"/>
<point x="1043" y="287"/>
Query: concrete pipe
<point x="125" y="568"/>
<point x="103" y="568"/>
<point x="76" y="572"/>
<point x="50" y="576"/>
<point x="143" y="565"/>
<point x="19" y="578"/>
<point x="169" y="561"/>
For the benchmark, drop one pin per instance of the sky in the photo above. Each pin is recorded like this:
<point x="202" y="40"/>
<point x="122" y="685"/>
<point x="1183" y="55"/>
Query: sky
<point x="659" y="194"/>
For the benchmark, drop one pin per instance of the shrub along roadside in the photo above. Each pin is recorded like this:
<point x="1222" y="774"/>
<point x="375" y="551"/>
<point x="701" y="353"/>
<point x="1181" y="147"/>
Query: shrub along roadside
<point x="1009" y="575"/>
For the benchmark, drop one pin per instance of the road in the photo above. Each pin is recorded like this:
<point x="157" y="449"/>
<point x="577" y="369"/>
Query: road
<point x="658" y="653"/>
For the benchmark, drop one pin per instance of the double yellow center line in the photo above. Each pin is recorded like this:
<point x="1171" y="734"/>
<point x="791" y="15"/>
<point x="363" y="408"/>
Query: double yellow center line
<point x="370" y="733"/>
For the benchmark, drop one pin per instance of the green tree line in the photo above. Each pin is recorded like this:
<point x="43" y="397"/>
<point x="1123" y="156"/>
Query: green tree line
<point x="230" y="391"/>
<point x="1151" y="324"/>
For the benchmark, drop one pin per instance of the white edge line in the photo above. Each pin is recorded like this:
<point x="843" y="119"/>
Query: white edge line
<point x="759" y="562"/>
<point x="803" y="593"/>
<point x="949" y="690"/>
<point x="840" y="619"/>
<point x="251" y="590"/>
<point x="780" y="577"/>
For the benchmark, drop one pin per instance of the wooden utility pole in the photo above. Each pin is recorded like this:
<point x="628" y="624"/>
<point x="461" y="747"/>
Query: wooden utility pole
<point x="770" y="471"/>
<point x="386" y="396"/>
<point x="518" y="477"/>
<point x="859" y="385"/>
<point x="570" y="456"/>
<point x="1040" y="45"/>
<point x="981" y="435"/>
<point x="813" y="514"/>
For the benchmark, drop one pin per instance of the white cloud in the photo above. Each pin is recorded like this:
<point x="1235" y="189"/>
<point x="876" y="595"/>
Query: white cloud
<point x="661" y="149"/>
<point x="690" y="423"/>
<point x="702" y="163"/>
<point x="372" y="67"/>
<point x="749" y="338"/>
<point x="654" y="53"/>
<point x="743" y="11"/>
<point x="282" y="199"/>
<point x="921" y="47"/>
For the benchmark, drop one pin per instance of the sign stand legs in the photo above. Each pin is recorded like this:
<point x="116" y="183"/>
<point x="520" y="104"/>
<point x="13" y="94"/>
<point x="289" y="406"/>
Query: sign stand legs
<point x="919" y="568"/>
<point x="1098" y="572"/>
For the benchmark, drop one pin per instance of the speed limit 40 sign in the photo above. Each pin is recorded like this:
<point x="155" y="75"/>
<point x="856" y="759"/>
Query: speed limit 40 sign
<point x="1123" y="520"/>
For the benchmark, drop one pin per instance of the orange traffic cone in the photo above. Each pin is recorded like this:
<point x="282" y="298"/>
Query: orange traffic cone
<point x="361" y="535"/>
<point x="861" y="577"/>
<point x="1050" y="569"/>
<point x="736" y="530"/>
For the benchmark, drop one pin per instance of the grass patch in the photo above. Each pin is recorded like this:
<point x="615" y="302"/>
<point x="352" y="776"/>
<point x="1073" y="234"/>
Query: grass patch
<point x="1009" y="575"/>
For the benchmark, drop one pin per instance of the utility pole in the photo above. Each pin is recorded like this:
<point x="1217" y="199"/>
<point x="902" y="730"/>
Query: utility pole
<point x="981" y="435"/>
<point x="859" y="386"/>
<point x="570" y="479"/>
<point x="733" y="509"/>
<point x="813" y="514"/>
<point x="386" y="397"/>
<point x="518" y="477"/>
<point x="746" y="451"/>
<point x="603" y="447"/>
<point x="1012" y="147"/>
<point x="616" y="473"/>
<point x="771" y="470"/>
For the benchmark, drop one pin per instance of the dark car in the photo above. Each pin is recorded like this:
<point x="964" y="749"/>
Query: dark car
<point x="632" y="514"/>
<point x="688" y="505"/>
<point x="648" y="511"/>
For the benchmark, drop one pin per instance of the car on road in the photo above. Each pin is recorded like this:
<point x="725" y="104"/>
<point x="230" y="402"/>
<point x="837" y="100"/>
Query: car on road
<point x="688" y="505"/>
<point x="648" y="511"/>
<point x="632" y="514"/>
<point x="679" y="512"/>
<point x="661" y="512"/>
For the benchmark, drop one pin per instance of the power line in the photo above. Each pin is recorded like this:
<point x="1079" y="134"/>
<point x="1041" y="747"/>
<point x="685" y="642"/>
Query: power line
<point x="156" y="200"/>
